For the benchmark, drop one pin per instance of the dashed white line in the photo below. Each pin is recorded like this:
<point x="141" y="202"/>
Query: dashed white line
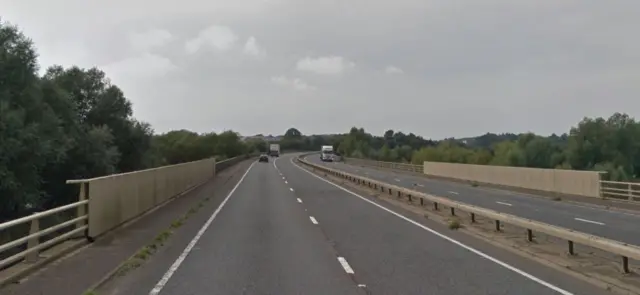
<point x="174" y="267"/>
<point x="283" y="177"/>
<point x="503" y="203"/>
<point x="398" y="180"/>
<point x="286" y="181"/>
<point x="443" y="236"/>
<point x="313" y="220"/>
<point x="345" y="265"/>
<point x="290" y="189"/>
<point x="299" y="201"/>
<point x="420" y="185"/>
<point x="452" y="192"/>
<point x="589" y="221"/>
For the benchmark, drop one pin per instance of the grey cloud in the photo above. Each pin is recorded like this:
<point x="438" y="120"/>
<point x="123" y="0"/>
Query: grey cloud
<point x="469" y="67"/>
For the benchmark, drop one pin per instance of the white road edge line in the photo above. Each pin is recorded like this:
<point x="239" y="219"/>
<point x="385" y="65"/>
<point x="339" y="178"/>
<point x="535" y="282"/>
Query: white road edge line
<point x="503" y="203"/>
<point x="345" y="265"/>
<point x="469" y="248"/>
<point x="174" y="267"/>
<point x="589" y="221"/>
<point x="299" y="201"/>
<point x="452" y="192"/>
<point x="313" y="220"/>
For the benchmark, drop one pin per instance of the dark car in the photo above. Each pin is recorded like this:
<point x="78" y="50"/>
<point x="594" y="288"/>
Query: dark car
<point x="263" y="158"/>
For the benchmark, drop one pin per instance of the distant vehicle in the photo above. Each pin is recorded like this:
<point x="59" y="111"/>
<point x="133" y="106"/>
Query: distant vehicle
<point x="263" y="158"/>
<point x="274" y="150"/>
<point x="326" y="153"/>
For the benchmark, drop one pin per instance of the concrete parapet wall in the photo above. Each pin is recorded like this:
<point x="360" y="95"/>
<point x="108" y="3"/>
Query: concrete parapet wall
<point x="117" y="198"/>
<point x="570" y="182"/>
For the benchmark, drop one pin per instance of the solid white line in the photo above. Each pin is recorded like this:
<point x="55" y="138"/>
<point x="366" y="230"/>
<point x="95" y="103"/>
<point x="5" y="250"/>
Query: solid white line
<point x="290" y="189"/>
<point x="174" y="267"/>
<point x="299" y="201"/>
<point x="589" y="221"/>
<point x="345" y="265"/>
<point x="475" y="251"/>
<point x="313" y="220"/>
<point x="503" y="203"/>
<point x="452" y="192"/>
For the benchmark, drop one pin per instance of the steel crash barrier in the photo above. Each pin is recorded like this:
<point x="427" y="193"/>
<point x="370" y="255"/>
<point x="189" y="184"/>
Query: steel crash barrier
<point x="623" y="250"/>
<point x="103" y="204"/>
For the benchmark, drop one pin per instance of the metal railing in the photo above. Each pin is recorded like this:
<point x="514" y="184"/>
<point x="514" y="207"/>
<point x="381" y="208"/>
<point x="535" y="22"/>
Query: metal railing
<point x="629" y="191"/>
<point x="28" y="245"/>
<point x="624" y="250"/>
<point x="34" y="247"/>
<point x="389" y="165"/>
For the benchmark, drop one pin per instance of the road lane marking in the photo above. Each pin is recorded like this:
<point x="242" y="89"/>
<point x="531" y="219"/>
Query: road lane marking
<point x="283" y="177"/>
<point x="420" y="185"/>
<point x="286" y="182"/>
<point x="313" y="220"/>
<point x="345" y="265"/>
<point x="443" y="236"/>
<point x="452" y="192"/>
<point x="398" y="180"/>
<point x="174" y="267"/>
<point x="290" y="189"/>
<point x="299" y="201"/>
<point x="589" y="221"/>
<point x="503" y="203"/>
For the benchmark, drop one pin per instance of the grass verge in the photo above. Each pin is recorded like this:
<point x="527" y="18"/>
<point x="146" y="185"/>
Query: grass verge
<point x="146" y="252"/>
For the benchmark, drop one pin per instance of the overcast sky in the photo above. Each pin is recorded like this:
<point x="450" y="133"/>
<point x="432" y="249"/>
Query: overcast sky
<point x="438" y="68"/>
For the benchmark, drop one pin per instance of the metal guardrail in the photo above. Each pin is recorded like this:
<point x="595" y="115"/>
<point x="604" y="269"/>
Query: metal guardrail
<point x="621" y="249"/>
<point x="629" y="191"/>
<point x="389" y="165"/>
<point x="30" y="254"/>
<point x="32" y="239"/>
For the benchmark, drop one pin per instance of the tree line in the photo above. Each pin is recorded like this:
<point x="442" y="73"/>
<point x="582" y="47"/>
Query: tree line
<point x="73" y="123"/>
<point x="597" y="144"/>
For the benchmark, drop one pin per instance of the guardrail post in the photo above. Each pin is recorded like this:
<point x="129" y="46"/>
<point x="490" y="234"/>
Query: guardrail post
<point x="571" y="252"/>
<point x="473" y="217"/>
<point x="33" y="242"/>
<point x="629" y="191"/>
<point x="625" y="264"/>
<point x="435" y="206"/>
<point x="497" y="225"/>
<point x="453" y="211"/>
<point x="529" y="235"/>
<point x="82" y="210"/>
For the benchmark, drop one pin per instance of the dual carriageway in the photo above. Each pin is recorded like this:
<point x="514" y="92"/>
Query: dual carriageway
<point x="282" y="229"/>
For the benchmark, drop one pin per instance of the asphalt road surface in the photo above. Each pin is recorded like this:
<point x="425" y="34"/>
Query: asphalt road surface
<point x="615" y="225"/>
<point x="283" y="231"/>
